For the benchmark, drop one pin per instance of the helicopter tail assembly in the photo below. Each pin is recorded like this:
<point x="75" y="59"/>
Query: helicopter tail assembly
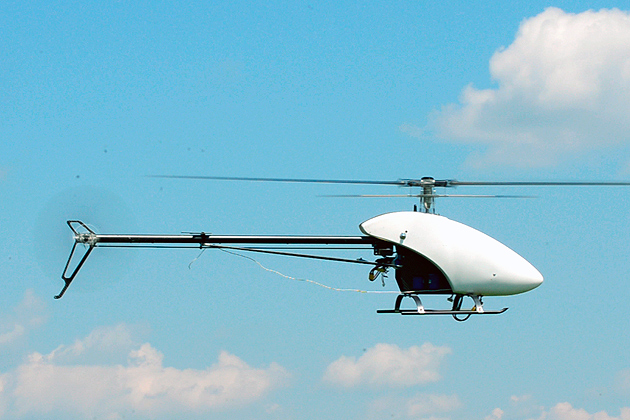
<point x="431" y="255"/>
<point x="86" y="240"/>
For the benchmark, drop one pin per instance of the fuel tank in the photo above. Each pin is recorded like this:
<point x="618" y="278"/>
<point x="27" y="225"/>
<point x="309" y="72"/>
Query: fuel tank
<point x="472" y="262"/>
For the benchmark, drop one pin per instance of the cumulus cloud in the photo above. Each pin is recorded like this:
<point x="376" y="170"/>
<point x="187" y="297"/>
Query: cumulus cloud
<point x="622" y="382"/>
<point x="388" y="365"/>
<point x="497" y="414"/>
<point x="30" y="313"/>
<point x="520" y="406"/>
<point x="48" y="383"/>
<point x="420" y="406"/>
<point x="526" y="408"/>
<point x="563" y="91"/>
<point x="103" y="345"/>
<point x="564" y="411"/>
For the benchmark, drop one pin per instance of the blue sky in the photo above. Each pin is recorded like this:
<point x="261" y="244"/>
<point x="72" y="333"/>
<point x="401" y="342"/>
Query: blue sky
<point x="97" y="97"/>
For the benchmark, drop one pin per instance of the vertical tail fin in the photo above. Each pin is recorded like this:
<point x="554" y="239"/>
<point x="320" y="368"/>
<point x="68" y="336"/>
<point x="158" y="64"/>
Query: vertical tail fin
<point x="85" y="236"/>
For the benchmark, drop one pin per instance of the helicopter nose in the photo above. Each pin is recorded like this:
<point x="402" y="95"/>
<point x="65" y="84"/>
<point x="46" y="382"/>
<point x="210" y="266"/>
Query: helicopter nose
<point x="515" y="275"/>
<point x="525" y="279"/>
<point x="533" y="280"/>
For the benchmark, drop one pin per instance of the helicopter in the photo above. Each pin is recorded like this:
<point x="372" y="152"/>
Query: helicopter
<point x="429" y="253"/>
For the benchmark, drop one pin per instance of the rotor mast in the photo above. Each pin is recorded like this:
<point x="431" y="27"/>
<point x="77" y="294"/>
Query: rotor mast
<point x="427" y="199"/>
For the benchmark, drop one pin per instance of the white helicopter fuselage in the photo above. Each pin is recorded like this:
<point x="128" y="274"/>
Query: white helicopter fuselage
<point x="472" y="262"/>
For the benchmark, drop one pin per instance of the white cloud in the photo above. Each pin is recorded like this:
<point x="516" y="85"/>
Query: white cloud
<point x="563" y="90"/>
<point x="43" y="385"/>
<point x="564" y="411"/>
<point x="102" y="345"/>
<point x="429" y="404"/>
<point x="420" y="406"/>
<point x="524" y="407"/>
<point x="387" y="364"/>
<point x="622" y="382"/>
<point x="14" y="332"/>
<point x="30" y="313"/>
<point x="497" y="414"/>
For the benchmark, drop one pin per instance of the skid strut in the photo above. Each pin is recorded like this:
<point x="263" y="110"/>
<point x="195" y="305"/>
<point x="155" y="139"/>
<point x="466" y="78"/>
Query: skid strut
<point x="455" y="312"/>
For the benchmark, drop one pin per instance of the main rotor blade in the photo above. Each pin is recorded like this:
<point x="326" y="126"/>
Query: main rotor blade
<point x="422" y="182"/>
<point x="427" y="196"/>
<point x="300" y="180"/>
<point x="455" y="183"/>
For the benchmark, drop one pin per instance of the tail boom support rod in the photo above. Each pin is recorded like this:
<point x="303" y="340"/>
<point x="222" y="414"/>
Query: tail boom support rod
<point x="83" y="235"/>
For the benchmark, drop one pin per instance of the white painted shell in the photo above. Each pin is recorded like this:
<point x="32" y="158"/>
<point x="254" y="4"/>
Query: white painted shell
<point x="473" y="262"/>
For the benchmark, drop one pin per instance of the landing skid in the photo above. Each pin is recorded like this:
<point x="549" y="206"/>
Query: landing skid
<point x="437" y="312"/>
<point x="455" y="312"/>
